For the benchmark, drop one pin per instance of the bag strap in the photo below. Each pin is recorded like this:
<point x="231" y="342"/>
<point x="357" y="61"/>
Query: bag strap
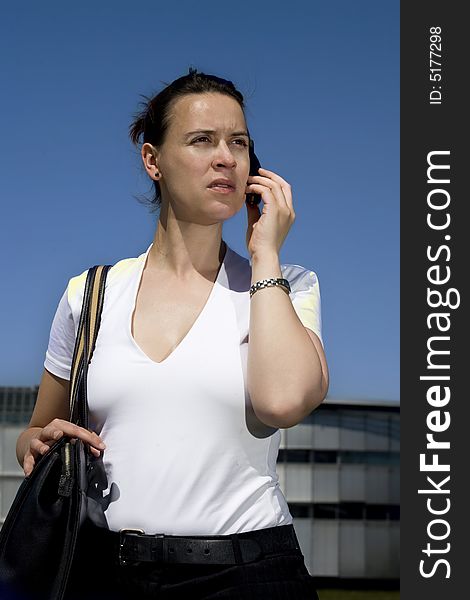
<point x="90" y="317"/>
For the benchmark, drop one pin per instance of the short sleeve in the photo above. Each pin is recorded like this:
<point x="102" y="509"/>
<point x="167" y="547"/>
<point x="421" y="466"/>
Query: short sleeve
<point x="305" y="296"/>
<point x="61" y="345"/>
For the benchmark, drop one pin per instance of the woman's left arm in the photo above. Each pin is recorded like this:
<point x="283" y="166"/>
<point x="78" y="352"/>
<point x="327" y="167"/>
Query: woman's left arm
<point x="287" y="370"/>
<point x="287" y="373"/>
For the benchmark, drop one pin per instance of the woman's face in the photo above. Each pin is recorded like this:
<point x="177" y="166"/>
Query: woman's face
<point x="206" y="139"/>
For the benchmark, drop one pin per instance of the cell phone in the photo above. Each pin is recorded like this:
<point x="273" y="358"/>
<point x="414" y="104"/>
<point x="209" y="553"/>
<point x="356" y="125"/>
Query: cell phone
<point x="253" y="199"/>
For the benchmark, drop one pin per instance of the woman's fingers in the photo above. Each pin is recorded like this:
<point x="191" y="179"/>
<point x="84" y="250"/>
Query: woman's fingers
<point x="59" y="427"/>
<point x="280" y="188"/>
<point x="285" y="186"/>
<point x="54" y="431"/>
<point x="39" y="447"/>
<point x="28" y="463"/>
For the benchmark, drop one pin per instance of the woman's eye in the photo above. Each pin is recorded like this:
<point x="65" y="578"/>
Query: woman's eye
<point x="241" y="142"/>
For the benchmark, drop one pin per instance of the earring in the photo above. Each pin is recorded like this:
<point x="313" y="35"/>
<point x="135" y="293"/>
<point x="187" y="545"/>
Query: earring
<point x="157" y="174"/>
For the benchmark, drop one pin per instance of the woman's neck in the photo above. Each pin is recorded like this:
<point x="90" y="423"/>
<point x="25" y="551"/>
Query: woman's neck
<point x="178" y="260"/>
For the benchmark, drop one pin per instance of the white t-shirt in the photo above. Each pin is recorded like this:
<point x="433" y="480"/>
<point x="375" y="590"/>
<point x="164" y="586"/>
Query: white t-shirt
<point x="185" y="453"/>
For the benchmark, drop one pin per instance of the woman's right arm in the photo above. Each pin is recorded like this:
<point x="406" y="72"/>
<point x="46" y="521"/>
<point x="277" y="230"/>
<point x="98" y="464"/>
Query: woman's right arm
<point x="49" y="422"/>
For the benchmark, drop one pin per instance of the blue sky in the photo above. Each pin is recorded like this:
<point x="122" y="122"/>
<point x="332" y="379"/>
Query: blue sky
<point x="321" y="86"/>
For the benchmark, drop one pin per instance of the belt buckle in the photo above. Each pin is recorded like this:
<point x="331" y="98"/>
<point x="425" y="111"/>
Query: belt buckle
<point x="122" y="532"/>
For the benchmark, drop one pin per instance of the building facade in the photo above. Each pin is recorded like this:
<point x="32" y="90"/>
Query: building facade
<point x="338" y="469"/>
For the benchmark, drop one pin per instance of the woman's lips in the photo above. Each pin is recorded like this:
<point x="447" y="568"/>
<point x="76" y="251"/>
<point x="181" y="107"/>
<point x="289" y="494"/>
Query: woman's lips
<point x="222" y="189"/>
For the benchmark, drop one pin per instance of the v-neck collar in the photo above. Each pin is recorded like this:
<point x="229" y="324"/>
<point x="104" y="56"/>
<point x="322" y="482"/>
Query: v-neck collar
<point x="220" y="281"/>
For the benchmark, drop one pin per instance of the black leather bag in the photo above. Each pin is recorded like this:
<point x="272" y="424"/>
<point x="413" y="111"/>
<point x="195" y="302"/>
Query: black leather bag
<point x="39" y="535"/>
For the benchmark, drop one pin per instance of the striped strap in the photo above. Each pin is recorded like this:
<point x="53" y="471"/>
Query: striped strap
<point x="93" y="299"/>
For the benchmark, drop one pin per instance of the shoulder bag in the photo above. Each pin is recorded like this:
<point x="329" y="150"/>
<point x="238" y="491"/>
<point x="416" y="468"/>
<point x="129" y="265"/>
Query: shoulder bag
<point x="39" y="535"/>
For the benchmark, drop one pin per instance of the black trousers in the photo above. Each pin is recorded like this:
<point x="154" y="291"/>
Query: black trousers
<point x="97" y="575"/>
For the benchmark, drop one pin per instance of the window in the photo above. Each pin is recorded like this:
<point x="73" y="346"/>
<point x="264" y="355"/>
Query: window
<point x="369" y="457"/>
<point x="301" y="511"/>
<point x="325" y="456"/>
<point x="294" y="456"/>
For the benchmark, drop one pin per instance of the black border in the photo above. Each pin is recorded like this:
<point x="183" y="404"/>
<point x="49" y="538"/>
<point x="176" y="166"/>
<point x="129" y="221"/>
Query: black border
<point x="425" y="128"/>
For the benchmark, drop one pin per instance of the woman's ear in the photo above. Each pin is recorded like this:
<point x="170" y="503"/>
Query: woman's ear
<point x="150" y="159"/>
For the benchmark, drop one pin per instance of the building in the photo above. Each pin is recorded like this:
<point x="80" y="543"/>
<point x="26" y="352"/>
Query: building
<point x="339" y="470"/>
<point x="16" y="406"/>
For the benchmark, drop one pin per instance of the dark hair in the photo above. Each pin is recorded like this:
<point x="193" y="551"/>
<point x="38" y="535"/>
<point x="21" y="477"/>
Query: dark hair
<point x="152" y="122"/>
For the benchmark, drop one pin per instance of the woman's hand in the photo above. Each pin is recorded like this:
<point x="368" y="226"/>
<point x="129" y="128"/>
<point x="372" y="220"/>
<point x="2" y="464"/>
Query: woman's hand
<point x="43" y="439"/>
<point x="267" y="230"/>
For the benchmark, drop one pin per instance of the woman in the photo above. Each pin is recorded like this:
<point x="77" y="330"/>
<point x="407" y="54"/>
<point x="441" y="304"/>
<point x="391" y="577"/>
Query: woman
<point x="195" y="369"/>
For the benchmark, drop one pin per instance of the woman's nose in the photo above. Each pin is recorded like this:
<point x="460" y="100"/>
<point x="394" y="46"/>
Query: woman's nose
<point x="223" y="156"/>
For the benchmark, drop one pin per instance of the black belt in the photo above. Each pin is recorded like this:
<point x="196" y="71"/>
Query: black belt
<point x="132" y="545"/>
